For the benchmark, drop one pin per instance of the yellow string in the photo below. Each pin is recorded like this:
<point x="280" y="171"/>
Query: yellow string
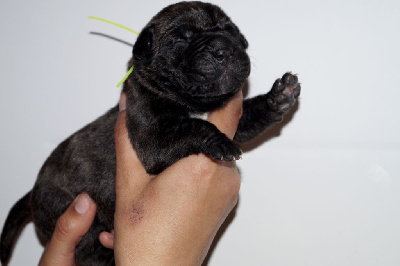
<point x="121" y="26"/>
<point x="125" y="77"/>
<point x="115" y="24"/>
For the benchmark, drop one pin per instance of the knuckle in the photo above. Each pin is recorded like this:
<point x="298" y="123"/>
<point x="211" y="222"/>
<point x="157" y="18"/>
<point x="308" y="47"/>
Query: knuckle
<point x="201" y="166"/>
<point x="64" y="228"/>
<point x="208" y="172"/>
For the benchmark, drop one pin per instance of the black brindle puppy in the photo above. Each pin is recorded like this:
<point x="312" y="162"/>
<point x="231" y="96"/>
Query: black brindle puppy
<point x="189" y="60"/>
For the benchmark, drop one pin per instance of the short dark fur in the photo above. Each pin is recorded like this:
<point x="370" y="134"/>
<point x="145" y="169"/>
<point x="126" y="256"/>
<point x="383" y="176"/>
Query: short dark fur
<point x="189" y="59"/>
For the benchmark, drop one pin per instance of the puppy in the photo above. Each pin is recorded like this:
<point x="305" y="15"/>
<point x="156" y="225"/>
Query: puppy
<point x="189" y="60"/>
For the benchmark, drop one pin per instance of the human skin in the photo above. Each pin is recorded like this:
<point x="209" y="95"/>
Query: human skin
<point x="168" y="219"/>
<point x="70" y="228"/>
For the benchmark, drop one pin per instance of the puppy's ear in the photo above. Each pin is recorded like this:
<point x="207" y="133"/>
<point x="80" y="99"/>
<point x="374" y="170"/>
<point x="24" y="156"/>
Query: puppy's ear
<point x="143" y="48"/>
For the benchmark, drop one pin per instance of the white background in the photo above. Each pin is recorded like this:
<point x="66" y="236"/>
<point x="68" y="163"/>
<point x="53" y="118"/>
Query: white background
<point x="321" y="188"/>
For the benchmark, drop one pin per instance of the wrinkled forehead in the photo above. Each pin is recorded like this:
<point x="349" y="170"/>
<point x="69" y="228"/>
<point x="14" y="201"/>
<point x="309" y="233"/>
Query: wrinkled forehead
<point x="189" y="16"/>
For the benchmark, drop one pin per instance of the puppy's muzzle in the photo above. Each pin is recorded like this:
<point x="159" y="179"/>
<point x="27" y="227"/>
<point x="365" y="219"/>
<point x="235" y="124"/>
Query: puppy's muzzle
<point x="215" y="55"/>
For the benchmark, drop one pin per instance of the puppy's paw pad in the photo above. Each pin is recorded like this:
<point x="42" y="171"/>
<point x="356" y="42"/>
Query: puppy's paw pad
<point x="284" y="93"/>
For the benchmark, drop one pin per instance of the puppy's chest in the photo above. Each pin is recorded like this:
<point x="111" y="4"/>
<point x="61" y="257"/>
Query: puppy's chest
<point x="202" y="116"/>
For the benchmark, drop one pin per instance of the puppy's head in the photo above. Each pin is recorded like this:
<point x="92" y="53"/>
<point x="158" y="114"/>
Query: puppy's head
<point x="192" y="53"/>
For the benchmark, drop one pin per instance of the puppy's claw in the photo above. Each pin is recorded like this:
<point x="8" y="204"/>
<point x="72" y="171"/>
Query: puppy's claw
<point x="236" y="159"/>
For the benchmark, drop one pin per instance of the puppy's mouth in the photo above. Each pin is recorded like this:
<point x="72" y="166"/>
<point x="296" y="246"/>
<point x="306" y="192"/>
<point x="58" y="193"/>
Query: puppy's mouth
<point x="208" y="101"/>
<point x="212" y="95"/>
<point x="208" y="91"/>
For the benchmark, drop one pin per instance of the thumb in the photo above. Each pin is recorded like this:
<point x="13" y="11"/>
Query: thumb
<point x="70" y="228"/>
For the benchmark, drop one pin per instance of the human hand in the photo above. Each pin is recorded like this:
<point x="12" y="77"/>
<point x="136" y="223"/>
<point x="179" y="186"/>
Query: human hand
<point x="172" y="218"/>
<point x="70" y="228"/>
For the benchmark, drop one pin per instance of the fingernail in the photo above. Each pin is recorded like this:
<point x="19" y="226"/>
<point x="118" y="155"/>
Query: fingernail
<point x="82" y="203"/>
<point x="110" y="235"/>
<point x="122" y="102"/>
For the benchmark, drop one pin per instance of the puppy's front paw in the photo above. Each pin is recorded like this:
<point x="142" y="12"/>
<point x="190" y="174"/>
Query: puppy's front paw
<point x="223" y="149"/>
<point x="283" y="94"/>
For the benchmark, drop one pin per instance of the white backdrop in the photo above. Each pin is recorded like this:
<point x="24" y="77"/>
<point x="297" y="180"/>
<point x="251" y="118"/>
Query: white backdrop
<point x="321" y="188"/>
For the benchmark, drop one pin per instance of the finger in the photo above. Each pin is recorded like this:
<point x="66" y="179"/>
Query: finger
<point x="70" y="228"/>
<point x="107" y="239"/>
<point x="128" y="163"/>
<point x="227" y="118"/>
